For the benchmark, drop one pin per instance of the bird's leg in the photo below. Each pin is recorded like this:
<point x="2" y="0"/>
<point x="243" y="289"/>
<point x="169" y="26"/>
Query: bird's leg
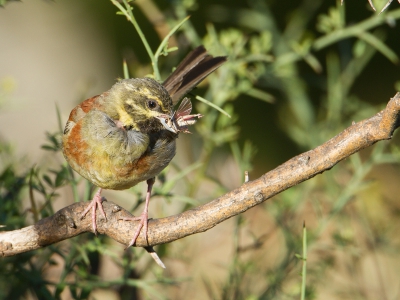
<point x="144" y="216"/>
<point x="96" y="201"/>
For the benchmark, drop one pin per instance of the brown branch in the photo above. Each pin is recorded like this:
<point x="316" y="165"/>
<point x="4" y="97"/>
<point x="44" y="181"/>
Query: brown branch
<point x="66" y="223"/>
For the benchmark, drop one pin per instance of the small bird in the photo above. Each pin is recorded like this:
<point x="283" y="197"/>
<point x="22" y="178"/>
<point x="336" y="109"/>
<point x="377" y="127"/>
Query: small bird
<point x="127" y="135"/>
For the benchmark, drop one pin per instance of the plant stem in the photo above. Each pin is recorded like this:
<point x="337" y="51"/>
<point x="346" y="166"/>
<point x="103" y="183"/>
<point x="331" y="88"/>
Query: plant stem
<point x="166" y="39"/>
<point x="354" y="30"/>
<point x="127" y="11"/>
<point x="304" y="270"/>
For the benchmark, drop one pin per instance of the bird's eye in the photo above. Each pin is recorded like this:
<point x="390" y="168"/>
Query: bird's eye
<point x="152" y="104"/>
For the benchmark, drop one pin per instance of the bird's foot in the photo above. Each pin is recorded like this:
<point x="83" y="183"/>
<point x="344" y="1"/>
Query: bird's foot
<point x="142" y="224"/>
<point x="96" y="202"/>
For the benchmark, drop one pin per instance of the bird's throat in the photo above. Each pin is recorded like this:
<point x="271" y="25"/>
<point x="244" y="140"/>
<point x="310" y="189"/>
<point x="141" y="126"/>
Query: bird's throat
<point x="126" y="120"/>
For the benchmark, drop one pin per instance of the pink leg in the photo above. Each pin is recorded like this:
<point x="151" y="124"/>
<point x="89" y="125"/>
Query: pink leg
<point x="93" y="205"/>
<point x="144" y="216"/>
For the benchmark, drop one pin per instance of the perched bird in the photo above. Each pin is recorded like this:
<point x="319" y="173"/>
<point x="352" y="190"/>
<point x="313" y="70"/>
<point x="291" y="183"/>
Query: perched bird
<point x="127" y="134"/>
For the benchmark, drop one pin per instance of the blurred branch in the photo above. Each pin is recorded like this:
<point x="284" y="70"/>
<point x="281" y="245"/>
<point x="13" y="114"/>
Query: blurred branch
<point x="66" y="223"/>
<point x="354" y="30"/>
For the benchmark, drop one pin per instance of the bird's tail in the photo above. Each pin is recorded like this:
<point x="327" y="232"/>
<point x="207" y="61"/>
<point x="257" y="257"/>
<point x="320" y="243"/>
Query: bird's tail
<point x="196" y="66"/>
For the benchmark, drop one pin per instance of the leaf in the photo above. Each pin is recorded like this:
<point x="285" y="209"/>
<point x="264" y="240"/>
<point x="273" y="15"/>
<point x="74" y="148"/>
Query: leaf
<point x="260" y="95"/>
<point x="298" y="256"/>
<point x="379" y="46"/>
<point x="49" y="148"/>
<point x="125" y="69"/>
<point x="201" y="99"/>
<point x="48" y="180"/>
<point x="61" y="178"/>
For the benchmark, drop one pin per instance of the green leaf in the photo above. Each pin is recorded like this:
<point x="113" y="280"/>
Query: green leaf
<point x="47" y="179"/>
<point x="260" y="95"/>
<point x="61" y="178"/>
<point x="298" y="256"/>
<point x="379" y="46"/>
<point x="201" y="99"/>
<point x="49" y="148"/>
<point x="125" y="69"/>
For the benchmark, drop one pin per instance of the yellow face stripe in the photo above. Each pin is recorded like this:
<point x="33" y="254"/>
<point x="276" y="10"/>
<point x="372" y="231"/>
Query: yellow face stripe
<point x="125" y="118"/>
<point x="149" y="95"/>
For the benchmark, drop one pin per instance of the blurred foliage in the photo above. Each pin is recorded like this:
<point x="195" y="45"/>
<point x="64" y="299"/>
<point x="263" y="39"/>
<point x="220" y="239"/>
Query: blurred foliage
<point x="300" y="62"/>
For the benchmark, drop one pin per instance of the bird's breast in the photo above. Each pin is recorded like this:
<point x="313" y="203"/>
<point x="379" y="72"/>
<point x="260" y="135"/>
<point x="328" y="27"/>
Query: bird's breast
<point x="121" y="159"/>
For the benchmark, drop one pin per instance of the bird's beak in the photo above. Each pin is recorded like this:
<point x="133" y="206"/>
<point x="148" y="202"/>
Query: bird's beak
<point x="166" y="121"/>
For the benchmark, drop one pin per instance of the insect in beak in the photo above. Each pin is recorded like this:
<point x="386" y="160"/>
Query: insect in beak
<point x="180" y="119"/>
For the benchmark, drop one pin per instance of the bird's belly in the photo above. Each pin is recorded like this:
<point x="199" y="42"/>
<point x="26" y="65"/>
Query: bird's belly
<point x="108" y="176"/>
<point x="119" y="173"/>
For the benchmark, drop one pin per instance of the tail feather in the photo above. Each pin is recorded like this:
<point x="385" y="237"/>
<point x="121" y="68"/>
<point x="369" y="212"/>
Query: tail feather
<point x="196" y="66"/>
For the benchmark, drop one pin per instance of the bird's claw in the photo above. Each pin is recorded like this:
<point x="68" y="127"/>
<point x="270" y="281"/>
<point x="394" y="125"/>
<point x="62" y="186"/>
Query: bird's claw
<point x="96" y="202"/>
<point x="143" y="219"/>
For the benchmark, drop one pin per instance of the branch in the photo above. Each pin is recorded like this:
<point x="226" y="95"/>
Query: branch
<point x="66" y="222"/>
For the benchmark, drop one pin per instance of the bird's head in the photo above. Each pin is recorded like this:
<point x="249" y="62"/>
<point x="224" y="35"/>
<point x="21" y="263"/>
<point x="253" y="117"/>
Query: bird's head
<point x="141" y="104"/>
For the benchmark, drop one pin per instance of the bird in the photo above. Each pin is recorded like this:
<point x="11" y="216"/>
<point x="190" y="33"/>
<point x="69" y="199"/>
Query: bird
<point x="128" y="134"/>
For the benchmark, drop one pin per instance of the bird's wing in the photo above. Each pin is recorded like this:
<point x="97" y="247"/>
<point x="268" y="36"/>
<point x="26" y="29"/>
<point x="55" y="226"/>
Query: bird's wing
<point x="105" y="134"/>
<point x="95" y="131"/>
<point x="82" y="109"/>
